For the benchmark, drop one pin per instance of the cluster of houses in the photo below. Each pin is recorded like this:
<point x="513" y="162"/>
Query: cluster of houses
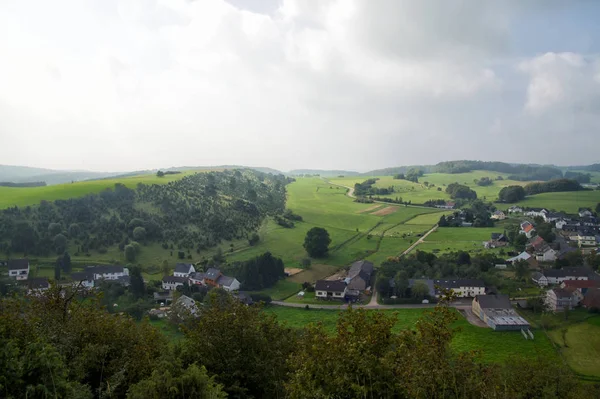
<point x="349" y="288"/>
<point x="571" y="287"/>
<point x="186" y="274"/>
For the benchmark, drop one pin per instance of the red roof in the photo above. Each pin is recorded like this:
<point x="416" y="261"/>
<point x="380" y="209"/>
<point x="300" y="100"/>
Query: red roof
<point x="537" y="242"/>
<point x="581" y="283"/>
<point x="592" y="298"/>
<point x="528" y="228"/>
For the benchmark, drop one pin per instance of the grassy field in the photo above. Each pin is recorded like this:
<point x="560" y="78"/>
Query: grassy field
<point x="494" y="346"/>
<point x="569" y="202"/>
<point x="23" y="196"/>
<point x="582" y="350"/>
<point x="477" y="234"/>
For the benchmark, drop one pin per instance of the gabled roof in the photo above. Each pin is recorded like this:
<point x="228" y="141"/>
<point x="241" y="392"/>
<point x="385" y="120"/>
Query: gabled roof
<point x="459" y="282"/>
<point x="225" y="281"/>
<point x="18" y="264"/>
<point x="567" y="271"/>
<point x="81" y="276"/>
<point x="360" y="266"/>
<point x="528" y="228"/>
<point x="592" y="298"/>
<point x="183" y="267"/>
<point x="212" y="274"/>
<point x="493" y="301"/>
<point x="537" y="242"/>
<point x="327" y="285"/>
<point x="39" y="282"/>
<point x="498" y="236"/>
<point x="104" y="269"/>
<point x="498" y="212"/>
<point x="536" y="276"/>
<point x="174" y="279"/>
<point x="197" y="275"/>
<point x="561" y="293"/>
<point x="522" y="256"/>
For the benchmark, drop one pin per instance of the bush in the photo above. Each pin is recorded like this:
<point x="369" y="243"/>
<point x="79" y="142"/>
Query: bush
<point x="403" y="301"/>
<point x="258" y="297"/>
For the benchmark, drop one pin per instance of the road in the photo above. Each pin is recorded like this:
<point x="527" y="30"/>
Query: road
<point x="420" y="240"/>
<point x="461" y="304"/>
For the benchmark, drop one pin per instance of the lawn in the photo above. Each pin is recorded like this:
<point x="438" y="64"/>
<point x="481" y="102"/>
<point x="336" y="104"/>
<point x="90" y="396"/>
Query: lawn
<point x="23" y="196"/>
<point x="478" y="234"/>
<point x="494" y="346"/>
<point x="170" y="330"/>
<point x="390" y="246"/>
<point x="282" y="290"/>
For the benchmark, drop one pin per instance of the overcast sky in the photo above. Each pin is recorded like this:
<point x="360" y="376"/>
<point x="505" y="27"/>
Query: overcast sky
<point x="115" y="85"/>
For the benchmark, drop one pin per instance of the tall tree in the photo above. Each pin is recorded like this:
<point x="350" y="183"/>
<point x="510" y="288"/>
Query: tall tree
<point x="317" y="242"/>
<point x="136" y="282"/>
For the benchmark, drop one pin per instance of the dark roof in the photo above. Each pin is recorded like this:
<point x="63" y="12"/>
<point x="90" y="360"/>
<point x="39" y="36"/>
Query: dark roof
<point x="225" y="280"/>
<point x="39" y="282"/>
<point x="497" y="236"/>
<point x="183" y="267"/>
<point x="592" y="298"/>
<point x="18" y="264"/>
<point x="493" y="301"/>
<point x="327" y="285"/>
<point x="197" y="275"/>
<point x="212" y="274"/>
<point x="567" y="271"/>
<point x="561" y="293"/>
<point x="581" y="283"/>
<point x="80" y="276"/>
<point x="459" y="282"/>
<point x="244" y="298"/>
<point x="362" y="266"/>
<point x="163" y="295"/>
<point x="174" y="279"/>
<point x="104" y="269"/>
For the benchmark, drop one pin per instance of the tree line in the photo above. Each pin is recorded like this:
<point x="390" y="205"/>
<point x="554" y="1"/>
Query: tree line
<point x="57" y="345"/>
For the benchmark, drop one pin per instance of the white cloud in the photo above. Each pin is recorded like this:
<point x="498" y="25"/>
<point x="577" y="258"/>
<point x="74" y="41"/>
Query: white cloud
<point x="150" y="83"/>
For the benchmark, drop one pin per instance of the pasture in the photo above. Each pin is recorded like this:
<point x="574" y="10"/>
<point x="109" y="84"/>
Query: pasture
<point x="24" y="196"/>
<point x="581" y="346"/>
<point x="494" y="346"/>
<point x="568" y="202"/>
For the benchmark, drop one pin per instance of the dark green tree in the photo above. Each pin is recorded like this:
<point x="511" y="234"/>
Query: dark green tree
<point x="136" y="282"/>
<point x="66" y="262"/>
<point x="130" y="253"/>
<point x="317" y="242"/>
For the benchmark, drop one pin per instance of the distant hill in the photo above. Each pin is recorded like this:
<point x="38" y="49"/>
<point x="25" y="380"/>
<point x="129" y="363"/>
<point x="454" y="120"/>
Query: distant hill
<point x="399" y="169"/>
<point x="321" y="172"/>
<point x="26" y="174"/>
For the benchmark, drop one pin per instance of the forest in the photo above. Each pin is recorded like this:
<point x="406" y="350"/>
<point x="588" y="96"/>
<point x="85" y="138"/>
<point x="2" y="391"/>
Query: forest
<point x="520" y="172"/>
<point x="195" y="212"/>
<point x="60" y="346"/>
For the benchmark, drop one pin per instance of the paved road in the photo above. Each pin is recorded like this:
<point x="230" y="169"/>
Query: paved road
<point x="458" y="304"/>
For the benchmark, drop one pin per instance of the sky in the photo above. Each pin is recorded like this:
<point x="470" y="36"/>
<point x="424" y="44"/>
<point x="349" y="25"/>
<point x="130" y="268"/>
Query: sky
<point x="118" y="85"/>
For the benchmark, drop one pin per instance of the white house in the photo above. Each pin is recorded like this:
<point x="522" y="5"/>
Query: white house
<point x="545" y="254"/>
<point x="585" y="212"/>
<point x="560" y="223"/>
<point x="183" y="270"/>
<point x="539" y="279"/>
<point x="498" y="215"/>
<point x="107" y="272"/>
<point x="515" y="209"/>
<point x="462" y="287"/>
<point x="586" y="238"/>
<point x="558" y="299"/>
<point x="527" y="229"/>
<point x="172" y="282"/>
<point x="18" y="269"/>
<point x="38" y="285"/>
<point x="229" y="284"/>
<point x="83" y="279"/>
<point x="326" y="289"/>
<point x="533" y="212"/>
<point x="447" y="205"/>
<point x="557" y="276"/>
<point x="197" y="278"/>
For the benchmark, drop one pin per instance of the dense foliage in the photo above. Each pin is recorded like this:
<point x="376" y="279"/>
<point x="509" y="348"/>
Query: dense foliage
<point x="58" y="345"/>
<point x="511" y="194"/>
<point x="578" y="176"/>
<point x="366" y="188"/>
<point x="260" y="272"/>
<point x="553" y="186"/>
<point x="317" y="241"/>
<point x="517" y="172"/>
<point x="459" y="191"/>
<point x="197" y="211"/>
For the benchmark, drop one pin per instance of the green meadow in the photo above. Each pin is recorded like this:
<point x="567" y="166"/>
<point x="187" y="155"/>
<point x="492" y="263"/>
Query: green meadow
<point x="493" y="346"/>
<point x="24" y="196"/>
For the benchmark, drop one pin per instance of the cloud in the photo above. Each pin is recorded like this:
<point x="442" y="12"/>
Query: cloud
<point x="121" y="85"/>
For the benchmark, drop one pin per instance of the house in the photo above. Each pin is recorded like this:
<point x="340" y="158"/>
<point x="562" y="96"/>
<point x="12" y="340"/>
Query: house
<point x="172" y="282"/>
<point x="18" y="269"/>
<point x="359" y="275"/>
<point x="498" y="215"/>
<point x="229" y="284"/>
<point x="187" y="304"/>
<point x="497" y="240"/>
<point x="589" y="221"/>
<point x="447" y="205"/>
<point x="537" y="242"/>
<point x="553" y="216"/>
<point x="197" y="278"/>
<point x="527" y="229"/>
<point x="539" y="279"/>
<point x="211" y="276"/>
<point x="558" y="299"/>
<point x="557" y="276"/>
<point x="545" y="254"/>
<point x="499" y="237"/>
<point x="586" y="238"/>
<point x="515" y="209"/>
<point x="591" y="299"/>
<point x="539" y="212"/>
<point x="107" y="272"/>
<point x="578" y="288"/>
<point x="326" y="289"/>
<point x="462" y="287"/>
<point x="561" y="223"/>
<point x="38" y="285"/>
<point x="497" y="312"/>
<point x="183" y="270"/>
<point x="583" y="212"/>
<point x="83" y="279"/>
<point x="163" y="296"/>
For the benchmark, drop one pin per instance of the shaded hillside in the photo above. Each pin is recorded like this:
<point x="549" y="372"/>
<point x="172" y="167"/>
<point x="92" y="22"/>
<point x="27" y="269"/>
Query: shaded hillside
<point x="322" y="172"/>
<point x="197" y="211"/>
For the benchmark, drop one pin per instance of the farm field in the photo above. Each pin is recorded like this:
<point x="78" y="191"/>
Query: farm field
<point x="582" y="350"/>
<point x="494" y="346"/>
<point x="569" y="201"/>
<point x="24" y="196"/>
<point x="478" y="234"/>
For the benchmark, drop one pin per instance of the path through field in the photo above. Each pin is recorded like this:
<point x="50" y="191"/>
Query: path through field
<point x="419" y="241"/>
<point x="460" y="305"/>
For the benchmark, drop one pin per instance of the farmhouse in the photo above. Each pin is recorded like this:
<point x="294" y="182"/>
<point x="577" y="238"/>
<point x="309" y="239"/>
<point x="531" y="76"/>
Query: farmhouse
<point x="18" y="269"/>
<point x="539" y="279"/>
<point x="533" y="212"/>
<point x="497" y="240"/>
<point x="553" y="216"/>
<point x="83" y="279"/>
<point x="586" y="238"/>
<point x="557" y="276"/>
<point x="197" y="278"/>
<point x="515" y="209"/>
<point x="498" y="215"/>
<point x="107" y="272"/>
<point x="583" y="212"/>
<point x="447" y="205"/>
<point x="172" y="282"/>
<point x="214" y="278"/>
<point x="38" y="285"/>
<point x="326" y="289"/>
<point x="527" y="229"/>
<point x="557" y="299"/>
<point x="497" y="312"/>
<point x="229" y="284"/>
<point x="183" y="270"/>
<point x="359" y="275"/>
<point x="462" y="287"/>
<point x="526" y="257"/>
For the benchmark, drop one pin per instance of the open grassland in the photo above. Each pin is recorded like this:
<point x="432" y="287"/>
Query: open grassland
<point x="581" y="346"/>
<point x="452" y="246"/>
<point x="494" y="346"/>
<point x="390" y="246"/>
<point x="428" y="219"/>
<point x="477" y="234"/>
<point x="24" y="196"/>
<point x="569" y="201"/>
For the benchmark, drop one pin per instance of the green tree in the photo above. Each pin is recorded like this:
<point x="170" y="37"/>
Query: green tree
<point x="136" y="282"/>
<point x="60" y="243"/>
<point x="57" y="268"/>
<point x="419" y="290"/>
<point x="511" y="194"/>
<point x="165" y="269"/>
<point x="66" y="262"/>
<point x="598" y="208"/>
<point x="54" y="229"/>
<point x="139" y="234"/>
<point x="317" y="242"/>
<point x="130" y="253"/>
<point x="520" y="242"/>
<point x="522" y="271"/>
